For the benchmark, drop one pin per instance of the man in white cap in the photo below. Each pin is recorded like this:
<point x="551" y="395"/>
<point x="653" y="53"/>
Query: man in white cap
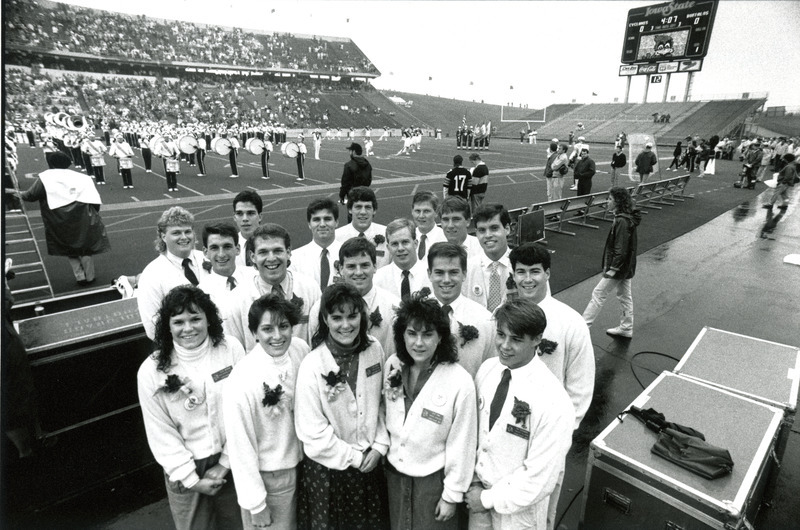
<point x="645" y="162"/>
<point x="573" y="158"/>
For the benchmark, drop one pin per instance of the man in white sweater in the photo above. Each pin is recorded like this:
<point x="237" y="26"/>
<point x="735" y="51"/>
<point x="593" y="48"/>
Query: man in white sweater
<point x="357" y="267"/>
<point x="525" y="420"/>
<point x="566" y="347"/>
<point x="178" y="263"/>
<point x="488" y="275"/>
<point x="317" y="259"/>
<point x="470" y="323"/>
<point x="405" y="274"/>
<point x="362" y="205"/>
<point x="270" y="250"/>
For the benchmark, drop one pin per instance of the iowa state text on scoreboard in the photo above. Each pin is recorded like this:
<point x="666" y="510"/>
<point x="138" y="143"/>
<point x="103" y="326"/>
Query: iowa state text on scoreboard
<point x="669" y="32"/>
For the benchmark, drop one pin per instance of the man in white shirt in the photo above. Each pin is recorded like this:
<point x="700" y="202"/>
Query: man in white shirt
<point x="405" y="274"/>
<point x="270" y="250"/>
<point x="470" y="322"/>
<point x="525" y="420"/>
<point x="566" y="347"/>
<point x="488" y="275"/>
<point x="362" y="206"/>
<point x="357" y="267"/>
<point x="455" y="216"/>
<point x="247" y="206"/>
<point x="318" y="258"/>
<point x="220" y="249"/>
<point x="177" y="264"/>
<point x="424" y="208"/>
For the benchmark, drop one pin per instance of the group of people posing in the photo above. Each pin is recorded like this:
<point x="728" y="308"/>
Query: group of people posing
<point x="406" y="376"/>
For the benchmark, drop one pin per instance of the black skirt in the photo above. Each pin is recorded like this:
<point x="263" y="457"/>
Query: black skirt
<point x="347" y="499"/>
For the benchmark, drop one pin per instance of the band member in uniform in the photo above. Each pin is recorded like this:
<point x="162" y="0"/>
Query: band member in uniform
<point x="458" y="137"/>
<point x="232" y="153"/>
<point x="95" y="149"/>
<point x="72" y="147"/>
<point x="87" y="158"/>
<point x="172" y="165"/>
<point x="49" y="148"/>
<point x="301" y="158"/>
<point x="317" y="136"/>
<point x="123" y="152"/>
<point x="200" y="154"/>
<point x="147" y="154"/>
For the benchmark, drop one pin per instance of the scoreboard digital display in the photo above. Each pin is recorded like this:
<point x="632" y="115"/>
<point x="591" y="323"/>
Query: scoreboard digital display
<point x="668" y="32"/>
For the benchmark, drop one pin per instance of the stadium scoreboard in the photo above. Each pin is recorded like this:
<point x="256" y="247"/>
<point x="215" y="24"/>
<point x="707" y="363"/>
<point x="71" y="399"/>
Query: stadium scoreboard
<point x="673" y="31"/>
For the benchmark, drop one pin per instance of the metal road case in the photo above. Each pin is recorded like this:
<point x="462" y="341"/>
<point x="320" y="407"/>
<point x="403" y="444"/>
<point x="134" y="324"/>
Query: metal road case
<point x="759" y="369"/>
<point x="629" y="487"/>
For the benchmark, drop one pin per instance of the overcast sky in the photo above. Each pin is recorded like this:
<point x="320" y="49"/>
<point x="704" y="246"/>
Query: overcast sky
<point x="570" y="47"/>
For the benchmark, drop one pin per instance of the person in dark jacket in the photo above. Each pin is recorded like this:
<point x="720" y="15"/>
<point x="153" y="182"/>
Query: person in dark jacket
<point x="618" y="161"/>
<point x="70" y="207"/>
<point x="676" y="157"/>
<point x="645" y="162"/>
<point x="357" y="171"/>
<point x="619" y="263"/>
<point x="583" y="172"/>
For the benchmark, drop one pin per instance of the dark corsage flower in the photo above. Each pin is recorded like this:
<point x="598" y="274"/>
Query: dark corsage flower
<point x="547" y="346"/>
<point x="375" y="318"/>
<point x="521" y="411"/>
<point x="379" y="239"/>
<point x="393" y="384"/>
<point x="207" y="265"/>
<point x="273" y="398"/>
<point x="172" y="384"/>
<point x="178" y="387"/>
<point x="425" y="292"/>
<point x="296" y="300"/>
<point x="467" y="333"/>
<point x="336" y="382"/>
<point x="510" y="283"/>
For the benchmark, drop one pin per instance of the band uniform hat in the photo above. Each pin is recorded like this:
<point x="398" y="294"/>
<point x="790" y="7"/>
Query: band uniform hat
<point x="355" y="147"/>
<point x="649" y="144"/>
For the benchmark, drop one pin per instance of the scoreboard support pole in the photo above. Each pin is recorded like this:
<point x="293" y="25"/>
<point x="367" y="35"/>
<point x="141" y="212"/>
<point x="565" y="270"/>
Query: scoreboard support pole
<point x="646" y="88"/>
<point x="687" y="92"/>
<point x="666" y="88"/>
<point x="628" y="88"/>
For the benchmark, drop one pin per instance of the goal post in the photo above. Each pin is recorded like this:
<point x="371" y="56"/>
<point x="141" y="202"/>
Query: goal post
<point x="511" y="114"/>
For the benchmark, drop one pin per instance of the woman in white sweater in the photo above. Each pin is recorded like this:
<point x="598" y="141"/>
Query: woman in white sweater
<point x="337" y="417"/>
<point x="259" y="417"/>
<point x="180" y="392"/>
<point x="431" y="417"/>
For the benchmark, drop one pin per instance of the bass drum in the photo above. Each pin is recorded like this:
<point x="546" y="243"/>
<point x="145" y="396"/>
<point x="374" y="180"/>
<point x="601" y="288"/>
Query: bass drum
<point x="254" y="146"/>
<point x="155" y="143"/>
<point x="290" y="149"/>
<point x="221" y="146"/>
<point x="187" y="144"/>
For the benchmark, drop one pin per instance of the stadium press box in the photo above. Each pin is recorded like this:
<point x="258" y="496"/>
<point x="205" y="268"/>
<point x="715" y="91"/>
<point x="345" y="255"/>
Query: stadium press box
<point x="627" y="486"/>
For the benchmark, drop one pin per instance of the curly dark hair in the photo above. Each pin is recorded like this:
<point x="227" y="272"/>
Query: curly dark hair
<point x="180" y="299"/>
<point x="424" y="313"/>
<point x="277" y="306"/>
<point x="339" y="296"/>
<point x="622" y="199"/>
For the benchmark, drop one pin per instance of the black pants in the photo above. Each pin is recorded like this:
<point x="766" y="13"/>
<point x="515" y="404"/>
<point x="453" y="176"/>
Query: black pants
<point x="264" y="162"/>
<point x="584" y="186"/>
<point x="99" y="174"/>
<point x="147" y="156"/>
<point x="201" y="161"/>
<point x="127" y="178"/>
<point x="87" y="164"/>
<point x="232" y="159"/>
<point x="77" y="158"/>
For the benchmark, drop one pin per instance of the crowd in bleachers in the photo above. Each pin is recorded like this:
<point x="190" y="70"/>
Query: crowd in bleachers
<point x="106" y="34"/>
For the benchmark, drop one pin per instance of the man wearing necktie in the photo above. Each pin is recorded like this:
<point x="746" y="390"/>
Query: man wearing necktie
<point x="487" y="276"/>
<point x="424" y="208"/>
<point x="405" y="274"/>
<point x="470" y="322"/>
<point x="220" y="249"/>
<point x="270" y="251"/>
<point x="178" y="263"/>
<point x="357" y="267"/>
<point x="247" y="207"/>
<point x="317" y="258"/>
<point x="525" y="420"/>
<point x="362" y="204"/>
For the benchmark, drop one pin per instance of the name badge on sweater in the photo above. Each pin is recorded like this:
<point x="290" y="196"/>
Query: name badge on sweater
<point x="379" y="253"/>
<point x="516" y="431"/>
<point x="374" y="369"/>
<point x="222" y="374"/>
<point x="435" y="417"/>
